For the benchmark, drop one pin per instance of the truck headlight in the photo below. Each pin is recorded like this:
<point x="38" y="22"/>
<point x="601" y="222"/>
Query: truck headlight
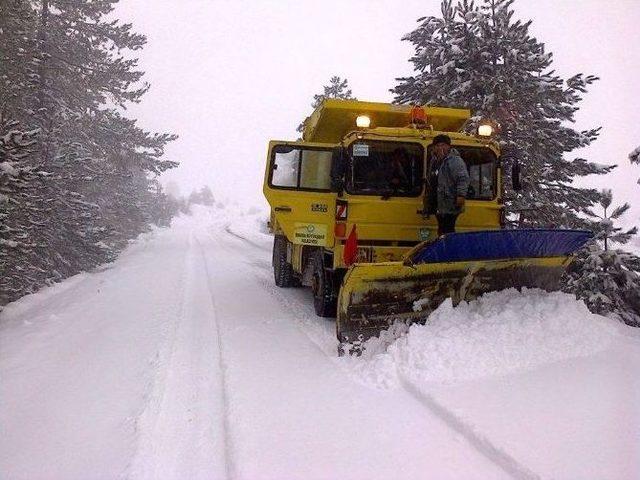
<point x="485" y="130"/>
<point x="363" y="121"/>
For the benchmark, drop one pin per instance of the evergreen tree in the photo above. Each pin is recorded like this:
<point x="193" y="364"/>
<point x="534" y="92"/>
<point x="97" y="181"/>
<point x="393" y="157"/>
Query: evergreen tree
<point x="206" y="196"/>
<point x="66" y="74"/>
<point x="21" y="204"/>
<point x="203" y="196"/>
<point x="162" y="206"/>
<point x="183" y="206"/>
<point x="608" y="280"/>
<point x="194" y="198"/>
<point x="337" y="88"/>
<point x="477" y="56"/>
<point x="634" y="157"/>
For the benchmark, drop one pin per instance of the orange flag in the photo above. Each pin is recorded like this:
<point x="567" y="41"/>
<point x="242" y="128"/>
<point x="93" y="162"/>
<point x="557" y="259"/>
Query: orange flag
<point x="350" y="251"/>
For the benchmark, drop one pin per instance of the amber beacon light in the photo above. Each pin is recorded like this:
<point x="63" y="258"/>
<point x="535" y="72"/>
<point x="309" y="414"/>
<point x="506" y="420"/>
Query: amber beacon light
<point x="418" y="115"/>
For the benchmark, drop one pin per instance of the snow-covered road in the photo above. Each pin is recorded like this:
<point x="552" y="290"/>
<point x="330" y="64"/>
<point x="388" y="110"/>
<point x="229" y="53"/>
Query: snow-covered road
<point x="182" y="360"/>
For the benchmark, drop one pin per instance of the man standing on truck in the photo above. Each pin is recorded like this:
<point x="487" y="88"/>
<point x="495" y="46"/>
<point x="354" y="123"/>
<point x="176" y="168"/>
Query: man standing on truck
<point x="448" y="184"/>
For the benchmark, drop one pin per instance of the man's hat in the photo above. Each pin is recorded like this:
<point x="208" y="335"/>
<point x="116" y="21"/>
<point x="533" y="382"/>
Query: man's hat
<point x="441" y="139"/>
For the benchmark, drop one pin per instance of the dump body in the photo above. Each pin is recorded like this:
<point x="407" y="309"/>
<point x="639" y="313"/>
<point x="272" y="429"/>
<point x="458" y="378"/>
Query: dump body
<point x="334" y="119"/>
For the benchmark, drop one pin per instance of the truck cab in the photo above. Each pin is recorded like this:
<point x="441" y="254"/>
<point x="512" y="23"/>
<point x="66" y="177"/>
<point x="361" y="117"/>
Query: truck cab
<point x="360" y="176"/>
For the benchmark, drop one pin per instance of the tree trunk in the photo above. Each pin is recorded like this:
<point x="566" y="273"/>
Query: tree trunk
<point x="44" y="113"/>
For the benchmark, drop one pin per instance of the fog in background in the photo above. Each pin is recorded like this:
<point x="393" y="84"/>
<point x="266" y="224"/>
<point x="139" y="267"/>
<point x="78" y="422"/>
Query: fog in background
<point x="228" y="76"/>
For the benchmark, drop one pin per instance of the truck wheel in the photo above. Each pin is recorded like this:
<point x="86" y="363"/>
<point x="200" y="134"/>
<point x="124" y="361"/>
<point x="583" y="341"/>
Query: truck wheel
<point x="282" y="269"/>
<point x="324" y="302"/>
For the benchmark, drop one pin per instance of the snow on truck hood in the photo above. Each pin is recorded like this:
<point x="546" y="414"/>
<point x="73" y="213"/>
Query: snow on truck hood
<point x="497" y="334"/>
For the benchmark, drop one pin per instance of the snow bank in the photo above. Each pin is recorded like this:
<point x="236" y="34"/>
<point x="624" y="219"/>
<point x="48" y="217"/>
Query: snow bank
<point x="38" y="300"/>
<point x="253" y="228"/>
<point x="500" y="333"/>
<point x="249" y="225"/>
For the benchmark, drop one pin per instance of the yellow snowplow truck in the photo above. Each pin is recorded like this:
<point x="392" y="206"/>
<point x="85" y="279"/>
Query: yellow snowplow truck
<point x="367" y="244"/>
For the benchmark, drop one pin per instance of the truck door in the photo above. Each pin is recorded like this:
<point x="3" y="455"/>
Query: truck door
<point x="297" y="186"/>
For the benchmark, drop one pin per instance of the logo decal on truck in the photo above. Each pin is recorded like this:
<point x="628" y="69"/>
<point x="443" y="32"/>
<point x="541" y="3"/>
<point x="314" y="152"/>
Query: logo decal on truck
<point x="319" y="207"/>
<point x="310" y="234"/>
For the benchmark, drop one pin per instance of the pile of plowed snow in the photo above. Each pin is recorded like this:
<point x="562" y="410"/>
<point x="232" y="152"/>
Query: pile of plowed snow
<point x="500" y="333"/>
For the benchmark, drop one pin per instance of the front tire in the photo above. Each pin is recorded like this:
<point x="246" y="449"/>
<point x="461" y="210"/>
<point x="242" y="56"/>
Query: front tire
<point x="324" y="301"/>
<point x="282" y="269"/>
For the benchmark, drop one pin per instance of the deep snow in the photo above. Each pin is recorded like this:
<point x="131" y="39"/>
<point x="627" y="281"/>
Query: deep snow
<point x="182" y="360"/>
<point x="500" y="333"/>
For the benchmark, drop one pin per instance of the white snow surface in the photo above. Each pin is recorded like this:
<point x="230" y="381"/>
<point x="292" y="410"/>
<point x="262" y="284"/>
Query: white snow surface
<point x="500" y="333"/>
<point x="183" y="360"/>
<point x="9" y="169"/>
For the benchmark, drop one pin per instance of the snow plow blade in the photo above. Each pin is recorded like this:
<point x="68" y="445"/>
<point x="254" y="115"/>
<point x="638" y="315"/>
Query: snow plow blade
<point x="460" y="266"/>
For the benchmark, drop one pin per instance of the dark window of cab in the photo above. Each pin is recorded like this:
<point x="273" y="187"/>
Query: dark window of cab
<point x="385" y="168"/>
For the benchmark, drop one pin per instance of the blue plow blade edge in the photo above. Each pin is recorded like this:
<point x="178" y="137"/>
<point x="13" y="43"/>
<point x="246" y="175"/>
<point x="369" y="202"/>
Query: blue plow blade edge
<point x="501" y="244"/>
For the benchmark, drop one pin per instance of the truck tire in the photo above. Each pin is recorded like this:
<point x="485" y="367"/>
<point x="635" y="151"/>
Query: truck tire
<point x="282" y="269"/>
<point x="324" y="300"/>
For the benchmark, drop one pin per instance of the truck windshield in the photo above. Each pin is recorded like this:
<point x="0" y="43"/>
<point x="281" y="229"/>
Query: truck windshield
<point x="385" y="168"/>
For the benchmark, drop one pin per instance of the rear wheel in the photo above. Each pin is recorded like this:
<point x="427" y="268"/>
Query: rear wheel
<point x="324" y="300"/>
<point x="282" y="269"/>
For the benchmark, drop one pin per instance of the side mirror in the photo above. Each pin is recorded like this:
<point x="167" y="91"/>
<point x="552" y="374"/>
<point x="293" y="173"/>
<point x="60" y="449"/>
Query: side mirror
<point x="515" y="176"/>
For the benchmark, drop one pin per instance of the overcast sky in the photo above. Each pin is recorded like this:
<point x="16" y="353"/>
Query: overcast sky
<point x="227" y="76"/>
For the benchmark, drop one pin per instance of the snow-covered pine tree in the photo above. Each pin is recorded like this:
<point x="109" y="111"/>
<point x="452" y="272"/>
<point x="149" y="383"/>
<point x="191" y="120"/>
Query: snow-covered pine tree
<point x="607" y="279"/>
<point x="206" y="196"/>
<point x="337" y="88"/>
<point x="22" y="193"/>
<point x="161" y="206"/>
<point x="607" y="231"/>
<point x="67" y="69"/>
<point x="202" y="196"/>
<point x="478" y="56"/>
<point x="20" y="201"/>
<point x="634" y="157"/>
<point x="17" y="63"/>
<point x="194" y="198"/>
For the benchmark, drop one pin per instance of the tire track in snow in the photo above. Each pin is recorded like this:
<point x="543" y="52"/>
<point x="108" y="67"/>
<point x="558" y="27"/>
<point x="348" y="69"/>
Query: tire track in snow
<point x="147" y="421"/>
<point x="478" y="441"/>
<point x="482" y="444"/>
<point x="223" y="391"/>
<point x="227" y="229"/>
<point x="306" y="321"/>
<point x="183" y="429"/>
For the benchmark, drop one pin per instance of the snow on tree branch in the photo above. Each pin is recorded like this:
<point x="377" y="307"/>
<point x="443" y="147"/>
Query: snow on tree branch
<point x="337" y="88"/>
